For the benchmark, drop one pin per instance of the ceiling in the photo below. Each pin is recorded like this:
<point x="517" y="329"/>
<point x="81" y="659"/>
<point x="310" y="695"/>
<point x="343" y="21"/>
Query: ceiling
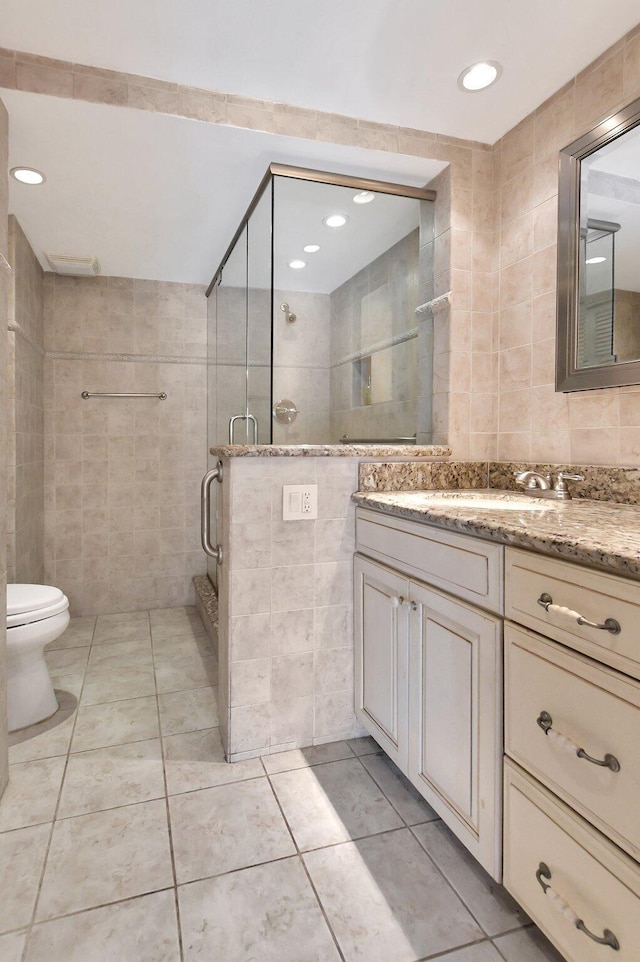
<point x="161" y="197"/>
<point x="393" y="61"/>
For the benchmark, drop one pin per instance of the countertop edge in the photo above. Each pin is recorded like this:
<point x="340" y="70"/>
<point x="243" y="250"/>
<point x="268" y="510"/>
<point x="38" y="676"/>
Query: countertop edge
<point x="413" y="452"/>
<point x="568" y="549"/>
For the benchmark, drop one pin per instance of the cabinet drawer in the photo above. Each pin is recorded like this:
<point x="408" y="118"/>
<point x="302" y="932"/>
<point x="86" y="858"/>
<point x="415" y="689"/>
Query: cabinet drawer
<point x="597" y="709"/>
<point x="459" y="564"/>
<point x="594" y="595"/>
<point x="598" y="881"/>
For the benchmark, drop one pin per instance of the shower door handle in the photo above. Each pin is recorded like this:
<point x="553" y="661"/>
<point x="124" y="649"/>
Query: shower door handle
<point x="205" y="529"/>
<point x="242" y="417"/>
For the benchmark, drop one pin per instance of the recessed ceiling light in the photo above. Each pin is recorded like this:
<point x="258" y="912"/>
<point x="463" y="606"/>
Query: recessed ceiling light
<point x="311" y="248"/>
<point x="335" y="220"/>
<point x="28" y="175"/>
<point x="595" y="260"/>
<point x="297" y="265"/>
<point x="364" y="197"/>
<point x="480" y="75"/>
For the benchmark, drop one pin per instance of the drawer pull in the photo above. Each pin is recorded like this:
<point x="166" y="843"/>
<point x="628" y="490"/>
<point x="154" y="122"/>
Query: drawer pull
<point x="609" y="624"/>
<point x="545" y="721"/>
<point x="565" y="910"/>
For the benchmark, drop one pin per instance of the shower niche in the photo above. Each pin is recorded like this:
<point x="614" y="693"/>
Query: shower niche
<point x="312" y="312"/>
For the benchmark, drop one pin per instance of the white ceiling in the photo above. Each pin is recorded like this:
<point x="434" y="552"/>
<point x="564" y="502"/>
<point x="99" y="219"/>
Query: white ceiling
<point x="156" y="196"/>
<point x="395" y="61"/>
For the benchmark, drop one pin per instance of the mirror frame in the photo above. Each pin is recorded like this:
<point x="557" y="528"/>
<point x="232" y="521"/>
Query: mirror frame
<point x="568" y="376"/>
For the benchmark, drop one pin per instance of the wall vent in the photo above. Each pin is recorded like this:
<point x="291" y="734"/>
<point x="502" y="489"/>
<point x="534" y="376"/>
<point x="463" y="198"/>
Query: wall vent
<point x="75" y="266"/>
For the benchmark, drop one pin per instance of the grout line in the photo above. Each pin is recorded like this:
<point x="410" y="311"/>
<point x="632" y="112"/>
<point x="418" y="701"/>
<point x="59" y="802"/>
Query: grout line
<point x="167" y="809"/>
<point x="305" y="869"/>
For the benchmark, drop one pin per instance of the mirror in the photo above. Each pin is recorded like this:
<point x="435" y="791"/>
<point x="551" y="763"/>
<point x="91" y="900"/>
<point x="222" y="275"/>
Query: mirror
<point x="599" y="257"/>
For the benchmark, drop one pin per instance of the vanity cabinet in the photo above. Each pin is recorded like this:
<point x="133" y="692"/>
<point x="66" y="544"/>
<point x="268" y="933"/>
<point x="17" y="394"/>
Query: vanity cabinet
<point x="572" y="771"/>
<point x="429" y="668"/>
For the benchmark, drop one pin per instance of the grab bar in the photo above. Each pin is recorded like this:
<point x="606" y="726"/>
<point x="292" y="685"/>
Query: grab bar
<point x="87" y="394"/>
<point x="205" y="531"/>
<point x="345" y="439"/>
<point x="242" y="417"/>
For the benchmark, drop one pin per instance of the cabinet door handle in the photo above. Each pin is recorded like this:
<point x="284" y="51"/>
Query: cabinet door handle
<point x="398" y="601"/>
<point x="563" y="907"/>
<point x="609" y="624"/>
<point x="545" y="721"/>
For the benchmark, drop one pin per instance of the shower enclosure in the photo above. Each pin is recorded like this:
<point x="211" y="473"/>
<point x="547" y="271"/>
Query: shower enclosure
<point x="313" y="336"/>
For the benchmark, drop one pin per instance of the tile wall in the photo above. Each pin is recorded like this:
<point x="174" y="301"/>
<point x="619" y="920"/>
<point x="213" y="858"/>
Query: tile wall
<point x="26" y="413"/>
<point x="5" y="280"/>
<point x="535" y="423"/>
<point x="122" y="476"/>
<point x="376" y="304"/>
<point x="286" y="635"/>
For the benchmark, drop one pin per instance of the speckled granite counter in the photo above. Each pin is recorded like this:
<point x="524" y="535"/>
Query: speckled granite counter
<point x="413" y="451"/>
<point x="601" y="534"/>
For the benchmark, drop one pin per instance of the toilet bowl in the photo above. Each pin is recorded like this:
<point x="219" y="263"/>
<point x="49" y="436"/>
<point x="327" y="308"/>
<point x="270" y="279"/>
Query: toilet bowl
<point x="36" y="615"/>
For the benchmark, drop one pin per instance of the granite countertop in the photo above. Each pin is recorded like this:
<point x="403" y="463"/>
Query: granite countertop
<point x="413" y="451"/>
<point x="602" y="534"/>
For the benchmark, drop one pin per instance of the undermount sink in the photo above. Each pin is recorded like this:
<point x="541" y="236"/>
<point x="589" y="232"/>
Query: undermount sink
<point x="489" y="501"/>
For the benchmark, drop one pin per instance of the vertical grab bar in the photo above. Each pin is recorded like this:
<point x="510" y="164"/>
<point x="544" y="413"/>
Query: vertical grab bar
<point x="205" y="532"/>
<point x="243" y="417"/>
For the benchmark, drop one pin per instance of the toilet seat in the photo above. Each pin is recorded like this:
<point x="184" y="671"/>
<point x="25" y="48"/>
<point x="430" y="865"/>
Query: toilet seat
<point x="27" y="604"/>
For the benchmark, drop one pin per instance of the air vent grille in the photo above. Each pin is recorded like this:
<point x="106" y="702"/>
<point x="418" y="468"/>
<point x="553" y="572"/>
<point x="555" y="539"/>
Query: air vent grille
<point x="75" y="266"/>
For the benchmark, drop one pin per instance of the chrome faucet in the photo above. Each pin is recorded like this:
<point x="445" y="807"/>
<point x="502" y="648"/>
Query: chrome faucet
<point x="542" y="485"/>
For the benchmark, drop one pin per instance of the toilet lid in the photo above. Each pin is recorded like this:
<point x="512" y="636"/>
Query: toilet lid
<point x="23" y="598"/>
<point x="29" y="603"/>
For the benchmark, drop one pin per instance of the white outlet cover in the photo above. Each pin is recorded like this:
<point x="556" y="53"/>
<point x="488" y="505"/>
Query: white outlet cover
<point x="299" y="502"/>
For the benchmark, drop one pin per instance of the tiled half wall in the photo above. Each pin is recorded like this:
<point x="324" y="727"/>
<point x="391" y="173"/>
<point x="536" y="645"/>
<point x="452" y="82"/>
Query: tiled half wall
<point x="285" y="627"/>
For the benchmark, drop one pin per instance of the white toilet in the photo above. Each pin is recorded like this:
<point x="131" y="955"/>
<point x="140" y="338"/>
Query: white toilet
<point x="36" y="615"/>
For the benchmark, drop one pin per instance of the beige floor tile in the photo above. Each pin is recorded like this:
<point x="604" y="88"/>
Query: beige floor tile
<point x="267" y="913"/>
<point x="78" y="635"/>
<point x="22" y="856"/>
<point x="45" y="740"/>
<point x="490" y="903"/>
<point x="306" y="757"/>
<point x="529" y="945"/>
<point x="188" y="711"/>
<point x="481" y="952"/>
<point x="190" y="672"/>
<point x="12" y="946"/>
<point x="109" y="777"/>
<point x="398" y="909"/>
<point x="168" y="622"/>
<point x="407" y="800"/>
<point x="121" y="654"/>
<point x="132" y="626"/>
<point x="222" y="829"/>
<point x="141" y="930"/>
<point x="116" y="723"/>
<point x="32" y="793"/>
<point x="176" y="648"/>
<point x="67" y="661"/>
<point x="364" y="746"/>
<point x="195" y="760"/>
<point x="105" y="857"/>
<point x="69" y="684"/>
<point x="333" y="803"/>
<point x="117" y="684"/>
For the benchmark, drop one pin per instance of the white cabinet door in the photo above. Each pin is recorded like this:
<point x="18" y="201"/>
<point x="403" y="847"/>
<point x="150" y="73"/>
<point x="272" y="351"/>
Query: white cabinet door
<point x="381" y="647"/>
<point x="455" y="718"/>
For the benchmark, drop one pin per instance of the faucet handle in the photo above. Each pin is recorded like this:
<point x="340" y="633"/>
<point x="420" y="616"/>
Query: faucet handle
<point x="560" y="487"/>
<point x="562" y="477"/>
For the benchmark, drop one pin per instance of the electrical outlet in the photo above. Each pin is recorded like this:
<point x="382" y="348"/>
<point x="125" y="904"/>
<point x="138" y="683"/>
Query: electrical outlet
<point x="299" y="502"/>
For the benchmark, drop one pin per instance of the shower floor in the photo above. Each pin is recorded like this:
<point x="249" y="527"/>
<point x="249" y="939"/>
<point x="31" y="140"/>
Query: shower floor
<point x="124" y="834"/>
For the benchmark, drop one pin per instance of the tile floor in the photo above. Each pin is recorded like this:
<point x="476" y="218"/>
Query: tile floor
<point x="125" y="836"/>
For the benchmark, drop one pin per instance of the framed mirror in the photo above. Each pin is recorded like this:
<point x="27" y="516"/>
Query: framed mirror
<point x="598" y="337"/>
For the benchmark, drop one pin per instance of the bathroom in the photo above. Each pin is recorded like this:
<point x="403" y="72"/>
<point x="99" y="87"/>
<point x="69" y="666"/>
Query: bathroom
<point x="211" y="781"/>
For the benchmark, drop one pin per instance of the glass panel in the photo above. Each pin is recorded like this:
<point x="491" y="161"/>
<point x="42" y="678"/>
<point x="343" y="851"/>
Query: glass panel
<point x="259" y="299"/>
<point x="346" y="336"/>
<point x="228" y="372"/>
